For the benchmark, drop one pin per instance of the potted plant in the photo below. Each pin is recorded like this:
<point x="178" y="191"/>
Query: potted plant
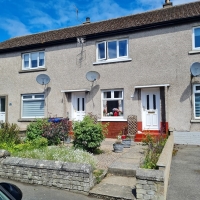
<point x="127" y="142"/>
<point x="118" y="146"/>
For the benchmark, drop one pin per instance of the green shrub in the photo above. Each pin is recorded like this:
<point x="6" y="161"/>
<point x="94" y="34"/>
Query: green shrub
<point x="35" y="129"/>
<point x="88" y="135"/>
<point x="38" y="143"/>
<point x="9" y="133"/>
<point x="56" y="132"/>
<point x="153" y="151"/>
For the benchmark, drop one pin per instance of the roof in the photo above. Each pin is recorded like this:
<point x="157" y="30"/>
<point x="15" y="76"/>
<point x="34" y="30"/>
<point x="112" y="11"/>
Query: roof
<point x="156" y="18"/>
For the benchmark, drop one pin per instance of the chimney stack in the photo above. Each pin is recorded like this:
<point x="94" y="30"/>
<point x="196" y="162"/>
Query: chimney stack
<point x="167" y="4"/>
<point x="87" y="20"/>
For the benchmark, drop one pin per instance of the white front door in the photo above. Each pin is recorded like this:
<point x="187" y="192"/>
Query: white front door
<point x="2" y="109"/>
<point x="78" y="106"/>
<point x="151" y="109"/>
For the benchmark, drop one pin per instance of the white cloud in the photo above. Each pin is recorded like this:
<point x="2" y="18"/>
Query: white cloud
<point x="13" y="27"/>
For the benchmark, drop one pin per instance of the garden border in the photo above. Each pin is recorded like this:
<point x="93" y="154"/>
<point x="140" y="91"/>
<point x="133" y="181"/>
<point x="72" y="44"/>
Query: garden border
<point x="152" y="184"/>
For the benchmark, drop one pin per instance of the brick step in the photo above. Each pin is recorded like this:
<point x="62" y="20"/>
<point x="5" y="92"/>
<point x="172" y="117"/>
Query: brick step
<point x="140" y="136"/>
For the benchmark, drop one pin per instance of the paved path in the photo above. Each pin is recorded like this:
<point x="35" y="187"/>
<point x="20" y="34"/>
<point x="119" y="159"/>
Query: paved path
<point x="184" y="182"/>
<point x="105" y="159"/>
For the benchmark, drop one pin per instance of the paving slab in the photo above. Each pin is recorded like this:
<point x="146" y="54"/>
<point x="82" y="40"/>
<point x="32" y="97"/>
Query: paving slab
<point x="128" y="162"/>
<point x="115" y="187"/>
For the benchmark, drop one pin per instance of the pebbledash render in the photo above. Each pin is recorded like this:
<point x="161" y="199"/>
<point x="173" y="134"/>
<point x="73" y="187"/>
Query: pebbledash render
<point x="143" y="60"/>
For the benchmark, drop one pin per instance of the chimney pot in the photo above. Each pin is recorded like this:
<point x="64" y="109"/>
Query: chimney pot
<point x="167" y="4"/>
<point x="87" y="20"/>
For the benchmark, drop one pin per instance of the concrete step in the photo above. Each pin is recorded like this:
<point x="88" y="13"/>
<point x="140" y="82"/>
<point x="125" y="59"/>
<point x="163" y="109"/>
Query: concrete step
<point x="115" y="187"/>
<point x="123" y="169"/>
<point x="127" y="164"/>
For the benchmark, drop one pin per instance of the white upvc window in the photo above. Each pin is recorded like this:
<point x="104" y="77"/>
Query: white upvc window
<point x="33" y="60"/>
<point x="112" y="103"/>
<point x="112" y="50"/>
<point x="33" y="105"/>
<point x="196" y="38"/>
<point x="196" y="97"/>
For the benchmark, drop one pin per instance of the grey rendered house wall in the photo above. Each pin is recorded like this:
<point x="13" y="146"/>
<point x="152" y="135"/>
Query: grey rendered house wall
<point x="159" y="56"/>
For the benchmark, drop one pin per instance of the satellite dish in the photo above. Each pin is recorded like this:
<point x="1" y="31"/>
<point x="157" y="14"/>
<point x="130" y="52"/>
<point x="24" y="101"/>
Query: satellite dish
<point x="195" y="69"/>
<point x="43" y="79"/>
<point x="92" y="76"/>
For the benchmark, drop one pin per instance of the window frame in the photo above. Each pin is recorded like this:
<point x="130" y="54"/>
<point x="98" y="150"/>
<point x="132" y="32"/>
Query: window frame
<point x="29" y="60"/>
<point x="195" y="92"/>
<point x="193" y="38"/>
<point x="31" y="99"/>
<point x="106" y="53"/>
<point x="112" y="99"/>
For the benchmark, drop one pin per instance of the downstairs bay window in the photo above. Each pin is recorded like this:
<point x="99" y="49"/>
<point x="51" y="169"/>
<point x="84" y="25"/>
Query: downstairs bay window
<point x="33" y="105"/>
<point x="112" y="103"/>
<point x="196" y="91"/>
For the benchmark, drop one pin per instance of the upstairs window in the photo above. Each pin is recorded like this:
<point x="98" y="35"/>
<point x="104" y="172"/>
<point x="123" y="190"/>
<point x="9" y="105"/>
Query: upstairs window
<point x="115" y="49"/>
<point x="196" y="38"/>
<point x="112" y="101"/>
<point x="196" y="89"/>
<point x="33" y="60"/>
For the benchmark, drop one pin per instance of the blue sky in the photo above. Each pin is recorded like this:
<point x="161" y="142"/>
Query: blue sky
<point x="22" y="17"/>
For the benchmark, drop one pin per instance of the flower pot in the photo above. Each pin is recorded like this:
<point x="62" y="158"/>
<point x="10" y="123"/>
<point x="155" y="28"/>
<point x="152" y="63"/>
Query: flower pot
<point x="67" y="140"/>
<point x="123" y="137"/>
<point x="118" y="147"/>
<point x="126" y="143"/>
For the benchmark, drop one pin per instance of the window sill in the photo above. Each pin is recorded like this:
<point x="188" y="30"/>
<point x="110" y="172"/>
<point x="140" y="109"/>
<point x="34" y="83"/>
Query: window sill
<point x="195" y="121"/>
<point x="112" y="61"/>
<point x="32" y="70"/>
<point x="110" y="119"/>
<point x="194" y="52"/>
<point x="27" y="120"/>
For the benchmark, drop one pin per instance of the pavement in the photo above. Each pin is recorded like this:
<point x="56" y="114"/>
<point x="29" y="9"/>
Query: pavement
<point x="184" y="181"/>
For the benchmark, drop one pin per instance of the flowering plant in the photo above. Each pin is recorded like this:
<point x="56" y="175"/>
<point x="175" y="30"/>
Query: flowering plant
<point x="116" y="110"/>
<point x="119" y="139"/>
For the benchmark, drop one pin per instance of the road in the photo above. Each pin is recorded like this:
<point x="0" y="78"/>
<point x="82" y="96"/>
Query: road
<point x="184" y="182"/>
<point x="37" y="192"/>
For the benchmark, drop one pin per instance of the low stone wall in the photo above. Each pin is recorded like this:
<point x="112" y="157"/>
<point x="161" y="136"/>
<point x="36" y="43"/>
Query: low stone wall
<point x="69" y="176"/>
<point x="152" y="184"/>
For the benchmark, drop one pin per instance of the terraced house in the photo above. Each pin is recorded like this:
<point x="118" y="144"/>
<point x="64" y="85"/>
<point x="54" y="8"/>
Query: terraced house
<point x="142" y="63"/>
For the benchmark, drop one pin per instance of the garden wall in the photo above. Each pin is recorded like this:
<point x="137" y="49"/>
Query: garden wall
<point x="152" y="184"/>
<point x="69" y="176"/>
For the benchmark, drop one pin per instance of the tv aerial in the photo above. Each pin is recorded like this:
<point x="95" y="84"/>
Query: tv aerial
<point x="92" y="76"/>
<point x="81" y="56"/>
<point x="195" y="69"/>
<point x="43" y="79"/>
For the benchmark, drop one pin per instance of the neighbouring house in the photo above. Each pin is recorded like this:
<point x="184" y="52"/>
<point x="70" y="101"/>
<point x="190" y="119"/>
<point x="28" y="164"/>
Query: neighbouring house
<point x="143" y="61"/>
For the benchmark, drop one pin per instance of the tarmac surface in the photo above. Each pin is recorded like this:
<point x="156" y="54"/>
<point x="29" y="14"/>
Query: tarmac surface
<point x="39" y="192"/>
<point x="184" y="181"/>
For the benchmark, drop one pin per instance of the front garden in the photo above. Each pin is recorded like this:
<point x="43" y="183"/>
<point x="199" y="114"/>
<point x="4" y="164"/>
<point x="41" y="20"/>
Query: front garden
<point x="45" y="140"/>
